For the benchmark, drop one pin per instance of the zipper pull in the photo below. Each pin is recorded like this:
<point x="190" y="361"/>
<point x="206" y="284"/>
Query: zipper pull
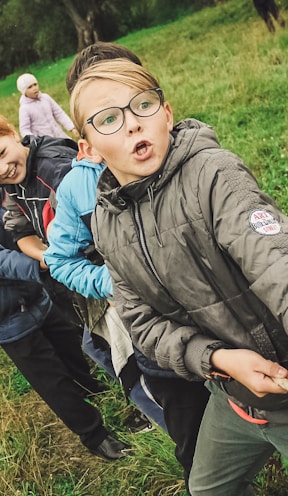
<point x="23" y="307"/>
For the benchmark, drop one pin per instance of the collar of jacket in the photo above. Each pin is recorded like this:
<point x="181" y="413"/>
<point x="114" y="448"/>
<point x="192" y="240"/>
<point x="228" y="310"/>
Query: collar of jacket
<point x="188" y="138"/>
<point x="25" y="99"/>
<point x="32" y="142"/>
<point x="44" y="146"/>
<point x="84" y="162"/>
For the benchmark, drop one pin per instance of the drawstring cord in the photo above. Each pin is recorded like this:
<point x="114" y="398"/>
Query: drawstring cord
<point x="96" y="223"/>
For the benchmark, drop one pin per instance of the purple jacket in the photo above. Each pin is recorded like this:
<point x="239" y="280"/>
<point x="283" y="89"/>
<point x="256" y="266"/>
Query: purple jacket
<point x="40" y="117"/>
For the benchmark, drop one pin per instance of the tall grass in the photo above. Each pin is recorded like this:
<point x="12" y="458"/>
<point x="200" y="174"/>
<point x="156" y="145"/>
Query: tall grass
<point x="222" y="66"/>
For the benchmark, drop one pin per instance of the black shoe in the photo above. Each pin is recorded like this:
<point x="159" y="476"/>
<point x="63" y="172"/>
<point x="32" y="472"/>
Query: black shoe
<point x="138" y="422"/>
<point x="111" y="449"/>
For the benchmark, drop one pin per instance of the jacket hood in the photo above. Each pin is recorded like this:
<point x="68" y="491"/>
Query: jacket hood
<point x="32" y="143"/>
<point x="84" y="162"/>
<point x="45" y="146"/>
<point x="187" y="138"/>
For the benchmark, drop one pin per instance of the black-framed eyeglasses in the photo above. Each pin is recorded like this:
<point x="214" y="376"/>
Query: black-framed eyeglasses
<point x="110" y="120"/>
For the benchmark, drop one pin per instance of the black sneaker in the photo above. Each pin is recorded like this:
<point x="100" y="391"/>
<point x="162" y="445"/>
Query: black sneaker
<point x="112" y="449"/>
<point x="138" y="422"/>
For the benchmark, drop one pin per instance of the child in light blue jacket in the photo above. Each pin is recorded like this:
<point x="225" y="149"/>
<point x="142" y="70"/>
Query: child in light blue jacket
<point x="71" y="259"/>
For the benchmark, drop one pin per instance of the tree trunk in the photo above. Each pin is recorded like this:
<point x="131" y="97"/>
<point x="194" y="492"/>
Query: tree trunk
<point x="86" y="33"/>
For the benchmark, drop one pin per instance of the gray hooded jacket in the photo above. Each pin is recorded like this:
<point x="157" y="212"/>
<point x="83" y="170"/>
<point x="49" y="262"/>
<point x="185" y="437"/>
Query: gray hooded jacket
<point x="198" y="254"/>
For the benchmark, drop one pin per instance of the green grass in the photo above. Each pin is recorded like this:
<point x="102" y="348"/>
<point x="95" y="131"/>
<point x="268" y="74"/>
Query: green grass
<point x="222" y="66"/>
<point x="41" y="457"/>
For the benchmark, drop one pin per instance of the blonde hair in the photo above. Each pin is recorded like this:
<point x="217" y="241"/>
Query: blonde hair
<point x="120" y="70"/>
<point x="6" y="129"/>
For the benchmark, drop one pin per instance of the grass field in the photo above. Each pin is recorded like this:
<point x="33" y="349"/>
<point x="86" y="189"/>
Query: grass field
<point x="222" y="66"/>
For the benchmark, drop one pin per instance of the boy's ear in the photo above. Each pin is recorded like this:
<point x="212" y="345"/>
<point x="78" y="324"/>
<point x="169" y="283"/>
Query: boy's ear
<point x="89" y="151"/>
<point x="169" y="115"/>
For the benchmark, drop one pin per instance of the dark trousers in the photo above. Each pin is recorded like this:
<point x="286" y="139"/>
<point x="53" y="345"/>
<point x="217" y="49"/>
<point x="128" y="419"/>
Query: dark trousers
<point x="266" y="7"/>
<point x="66" y="339"/>
<point x="183" y="404"/>
<point x="47" y="358"/>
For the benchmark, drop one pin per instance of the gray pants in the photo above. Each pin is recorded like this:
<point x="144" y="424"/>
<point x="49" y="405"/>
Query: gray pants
<point x="230" y="451"/>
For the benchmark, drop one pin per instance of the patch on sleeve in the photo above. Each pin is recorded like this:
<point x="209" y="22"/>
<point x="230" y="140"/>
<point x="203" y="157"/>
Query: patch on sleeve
<point x="264" y="223"/>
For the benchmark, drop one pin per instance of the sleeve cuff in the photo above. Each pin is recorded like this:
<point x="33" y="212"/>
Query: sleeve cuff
<point x="194" y="353"/>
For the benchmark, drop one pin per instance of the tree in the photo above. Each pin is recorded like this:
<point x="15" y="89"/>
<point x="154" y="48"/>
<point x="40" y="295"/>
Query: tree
<point x="46" y="30"/>
<point x="84" y="25"/>
<point x="92" y="19"/>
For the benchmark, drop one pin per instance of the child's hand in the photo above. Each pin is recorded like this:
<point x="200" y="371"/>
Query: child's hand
<point x="259" y="375"/>
<point x="43" y="265"/>
<point x="111" y="301"/>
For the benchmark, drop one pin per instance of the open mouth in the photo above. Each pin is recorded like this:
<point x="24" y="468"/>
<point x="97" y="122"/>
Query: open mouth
<point x="11" y="173"/>
<point x="141" y="148"/>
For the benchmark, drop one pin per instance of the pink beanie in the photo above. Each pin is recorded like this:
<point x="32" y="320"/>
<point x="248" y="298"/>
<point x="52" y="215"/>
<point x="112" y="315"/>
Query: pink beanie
<point x="24" y="81"/>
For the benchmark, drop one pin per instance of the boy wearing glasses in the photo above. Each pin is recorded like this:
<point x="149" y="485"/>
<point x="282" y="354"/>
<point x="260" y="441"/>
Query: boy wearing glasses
<point x="198" y="255"/>
<point x="65" y="257"/>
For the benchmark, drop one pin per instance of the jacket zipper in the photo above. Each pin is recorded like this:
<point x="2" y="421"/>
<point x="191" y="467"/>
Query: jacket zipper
<point x="35" y="216"/>
<point x="137" y="219"/>
<point x="37" y="220"/>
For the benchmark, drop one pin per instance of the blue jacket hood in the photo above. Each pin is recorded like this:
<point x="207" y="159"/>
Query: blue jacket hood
<point x="84" y="162"/>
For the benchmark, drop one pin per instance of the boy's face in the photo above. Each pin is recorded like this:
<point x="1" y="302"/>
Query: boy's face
<point x="32" y="91"/>
<point x="139" y="147"/>
<point x="13" y="156"/>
